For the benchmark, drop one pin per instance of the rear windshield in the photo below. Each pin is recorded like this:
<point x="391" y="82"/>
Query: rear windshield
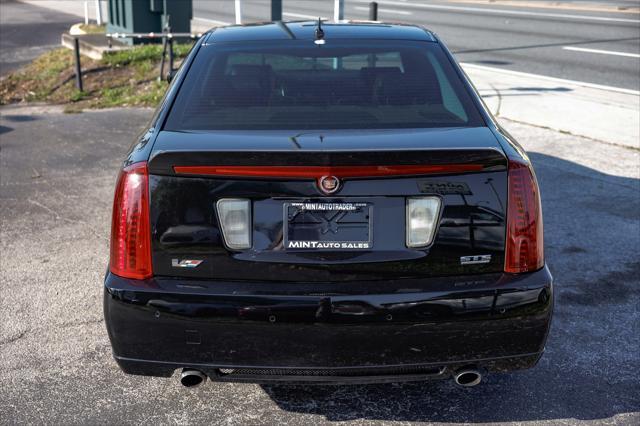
<point x="297" y="84"/>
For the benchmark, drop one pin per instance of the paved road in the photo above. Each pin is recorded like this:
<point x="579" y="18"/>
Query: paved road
<point x="528" y="39"/>
<point x="27" y="31"/>
<point x="57" y="173"/>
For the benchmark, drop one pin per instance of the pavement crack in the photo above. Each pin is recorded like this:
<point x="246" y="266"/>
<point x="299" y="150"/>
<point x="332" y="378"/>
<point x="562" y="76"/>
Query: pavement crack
<point x="72" y="221"/>
<point x="22" y="334"/>
<point x="14" y="338"/>
<point x="499" y="95"/>
<point x="48" y="209"/>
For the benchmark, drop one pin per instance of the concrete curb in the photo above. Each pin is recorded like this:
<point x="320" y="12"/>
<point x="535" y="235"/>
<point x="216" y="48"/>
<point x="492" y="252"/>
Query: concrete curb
<point x="93" y="45"/>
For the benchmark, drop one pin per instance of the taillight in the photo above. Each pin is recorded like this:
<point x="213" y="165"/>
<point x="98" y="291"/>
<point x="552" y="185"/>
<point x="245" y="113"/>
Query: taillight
<point x="525" y="245"/>
<point x="130" y="229"/>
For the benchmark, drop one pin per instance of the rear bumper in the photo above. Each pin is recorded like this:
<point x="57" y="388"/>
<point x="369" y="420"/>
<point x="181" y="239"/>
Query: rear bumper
<point x="346" y="332"/>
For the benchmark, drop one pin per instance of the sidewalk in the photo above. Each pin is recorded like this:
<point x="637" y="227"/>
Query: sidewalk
<point x="597" y="112"/>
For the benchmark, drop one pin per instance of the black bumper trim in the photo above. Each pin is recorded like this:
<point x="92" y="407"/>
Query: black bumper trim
<point x="168" y="324"/>
<point x="331" y="375"/>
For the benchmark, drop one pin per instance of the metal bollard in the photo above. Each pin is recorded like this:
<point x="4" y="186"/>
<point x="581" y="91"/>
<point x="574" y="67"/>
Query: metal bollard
<point x="373" y="11"/>
<point x="276" y="10"/>
<point x="164" y="53"/>
<point x="170" y="54"/>
<point x="76" y="48"/>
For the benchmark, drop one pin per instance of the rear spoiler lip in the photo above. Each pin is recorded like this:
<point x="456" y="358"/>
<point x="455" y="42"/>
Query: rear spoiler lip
<point x="399" y="162"/>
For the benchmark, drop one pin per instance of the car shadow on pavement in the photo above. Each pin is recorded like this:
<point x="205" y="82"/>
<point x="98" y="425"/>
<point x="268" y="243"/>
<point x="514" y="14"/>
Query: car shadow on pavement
<point x="16" y="118"/>
<point x="20" y="118"/>
<point x="592" y="225"/>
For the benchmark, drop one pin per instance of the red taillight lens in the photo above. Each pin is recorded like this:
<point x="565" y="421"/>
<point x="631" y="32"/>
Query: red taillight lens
<point x="130" y="229"/>
<point x="525" y="245"/>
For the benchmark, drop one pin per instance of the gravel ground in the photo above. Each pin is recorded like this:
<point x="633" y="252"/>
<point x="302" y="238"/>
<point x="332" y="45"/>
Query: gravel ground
<point x="57" y="174"/>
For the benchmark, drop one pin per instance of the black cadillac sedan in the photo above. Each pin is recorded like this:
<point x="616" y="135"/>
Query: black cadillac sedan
<point x="325" y="203"/>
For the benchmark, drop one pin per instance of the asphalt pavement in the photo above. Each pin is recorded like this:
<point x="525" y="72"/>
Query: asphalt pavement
<point x="57" y="173"/>
<point x="27" y="31"/>
<point x="596" y="44"/>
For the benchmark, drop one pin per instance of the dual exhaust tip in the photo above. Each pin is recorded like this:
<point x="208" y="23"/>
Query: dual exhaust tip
<point x="465" y="377"/>
<point x="191" y="378"/>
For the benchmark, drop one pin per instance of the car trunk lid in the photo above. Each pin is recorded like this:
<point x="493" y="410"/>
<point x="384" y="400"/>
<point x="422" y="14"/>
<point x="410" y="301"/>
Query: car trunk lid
<point x="279" y="170"/>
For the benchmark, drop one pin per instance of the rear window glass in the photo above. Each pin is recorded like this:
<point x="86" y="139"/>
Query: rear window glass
<point x="339" y="85"/>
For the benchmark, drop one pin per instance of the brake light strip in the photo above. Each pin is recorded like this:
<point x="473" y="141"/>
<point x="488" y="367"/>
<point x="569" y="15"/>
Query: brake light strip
<point x="315" y="172"/>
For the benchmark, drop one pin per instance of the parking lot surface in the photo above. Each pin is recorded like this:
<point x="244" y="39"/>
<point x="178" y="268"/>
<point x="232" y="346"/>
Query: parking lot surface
<point x="56" y="184"/>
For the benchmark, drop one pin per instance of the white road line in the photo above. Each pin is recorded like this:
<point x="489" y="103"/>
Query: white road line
<point x="554" y="79"/>
<point x="603" y="52"/>
<point x="303" y="16"/>
<point x="504" y="11"/>
<point x="397" y="12"/>
<point x="213" y="21"/>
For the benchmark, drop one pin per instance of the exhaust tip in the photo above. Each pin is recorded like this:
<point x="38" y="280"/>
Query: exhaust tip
<point x="191" y="378"/>
<point x="467" y="377"/>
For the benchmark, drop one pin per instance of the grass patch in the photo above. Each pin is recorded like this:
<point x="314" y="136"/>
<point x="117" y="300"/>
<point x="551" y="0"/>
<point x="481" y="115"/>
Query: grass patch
<point x="143" y="53"/>
<point x="93" y="28"/>
<point x="123" y="78"/>
<point x="78" y="95"/>
<point x="37" y="80"/>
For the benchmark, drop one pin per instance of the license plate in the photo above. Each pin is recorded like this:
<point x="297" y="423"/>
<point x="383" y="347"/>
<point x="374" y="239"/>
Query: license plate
<point x="327" y="226"/>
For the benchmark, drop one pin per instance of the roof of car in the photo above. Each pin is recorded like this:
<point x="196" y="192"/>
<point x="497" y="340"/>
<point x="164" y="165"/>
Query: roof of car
<point x="305" y="30"/>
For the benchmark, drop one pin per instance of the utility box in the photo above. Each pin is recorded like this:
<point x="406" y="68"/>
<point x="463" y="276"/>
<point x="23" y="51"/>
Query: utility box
<point x="146" y="16"/>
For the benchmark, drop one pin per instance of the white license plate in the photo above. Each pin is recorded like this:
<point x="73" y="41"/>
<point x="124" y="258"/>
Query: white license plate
<point x="327" y="226"/>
